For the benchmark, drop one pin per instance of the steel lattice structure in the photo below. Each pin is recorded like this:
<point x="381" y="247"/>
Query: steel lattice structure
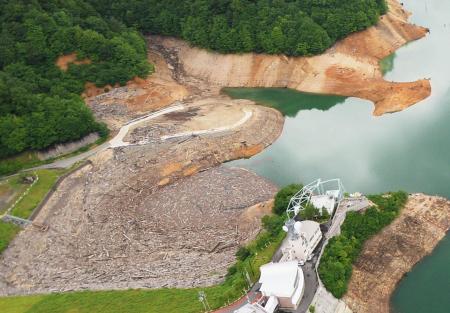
<point x="302" y="198"/>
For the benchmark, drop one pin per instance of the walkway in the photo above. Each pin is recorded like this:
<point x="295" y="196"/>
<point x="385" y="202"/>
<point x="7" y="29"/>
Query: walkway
<point x="118" y="140"/>
<point x="247" y="115"/>
<point x="346" y="205"/>
<point x="115" y="142"/>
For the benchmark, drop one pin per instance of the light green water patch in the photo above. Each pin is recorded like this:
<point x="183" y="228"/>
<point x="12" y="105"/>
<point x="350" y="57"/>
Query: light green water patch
<point x="287" y="101"/>
<point x="387" y="64"/>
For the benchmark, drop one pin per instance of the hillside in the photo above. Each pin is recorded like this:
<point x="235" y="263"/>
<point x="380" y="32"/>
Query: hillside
<point x="51" y="49"/>
<point x="299" y="27"/>
<point x="39" y="102"/>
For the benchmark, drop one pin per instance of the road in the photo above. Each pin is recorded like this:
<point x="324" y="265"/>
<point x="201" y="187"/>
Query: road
<point x="115" y="142"/>
<point x="346" y="205"/>
<point x="247" y="115"/>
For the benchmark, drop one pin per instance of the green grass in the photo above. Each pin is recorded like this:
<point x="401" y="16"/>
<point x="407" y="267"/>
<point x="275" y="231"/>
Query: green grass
<point x="168" y="300"/>
<point x="7" y="233"/>
<point x="10" y="190"/>
<point x="47" y="179"/>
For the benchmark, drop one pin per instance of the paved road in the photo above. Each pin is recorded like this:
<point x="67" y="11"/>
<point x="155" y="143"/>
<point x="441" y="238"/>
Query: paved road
<point x="115" y="142"/>
<point x="346" y="205"/>
<point x="311" y="284"/>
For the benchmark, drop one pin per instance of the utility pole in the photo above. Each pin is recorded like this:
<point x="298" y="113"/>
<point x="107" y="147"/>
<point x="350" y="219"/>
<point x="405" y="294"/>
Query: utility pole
<point x="204" y="301"/>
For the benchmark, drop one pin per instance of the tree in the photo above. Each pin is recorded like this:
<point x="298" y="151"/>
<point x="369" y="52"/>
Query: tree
<point x="310" y="212"/>
<point x="273" y="224"/>
<point x="283" y="197"/>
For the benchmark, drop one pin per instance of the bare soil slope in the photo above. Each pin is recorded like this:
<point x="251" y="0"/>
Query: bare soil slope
<point x="350" y="68"/>
<point x="116" y="105"/>
<point x="388" y="256"/>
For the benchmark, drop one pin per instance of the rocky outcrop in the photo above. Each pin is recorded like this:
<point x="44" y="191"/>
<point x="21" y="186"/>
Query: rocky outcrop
<point x="349" y="68"/>
<point x="388" y="256"/>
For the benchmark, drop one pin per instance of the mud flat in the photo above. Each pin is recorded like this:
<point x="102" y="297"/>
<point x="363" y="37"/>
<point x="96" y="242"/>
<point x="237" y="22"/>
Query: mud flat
<point x="391" y="254"/>
<point x="349" y="68"/>
<point x="138" y="217"/>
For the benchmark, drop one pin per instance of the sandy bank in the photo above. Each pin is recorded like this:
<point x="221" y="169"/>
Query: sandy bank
<point x="388" y="256"/>
<point x="349" y="68"/>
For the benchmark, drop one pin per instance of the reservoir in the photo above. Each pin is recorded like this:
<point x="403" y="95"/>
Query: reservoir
<point x="336" y="137"/>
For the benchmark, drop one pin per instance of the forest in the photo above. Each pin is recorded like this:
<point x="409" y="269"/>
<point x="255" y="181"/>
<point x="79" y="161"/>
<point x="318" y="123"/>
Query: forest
<point x="40" y="105"/>
<point x="291" y="27"/>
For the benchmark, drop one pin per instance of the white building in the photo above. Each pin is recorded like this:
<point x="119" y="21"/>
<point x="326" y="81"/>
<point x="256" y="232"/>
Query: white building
<point x="300" y="244"/>
<point x="265" y="305"/>
<point x="327" y="201"/>
<point x="283" y="281"/>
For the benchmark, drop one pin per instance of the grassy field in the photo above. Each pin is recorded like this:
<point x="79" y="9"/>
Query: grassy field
<point x="11" y="189"/>
<point x="7" y="233"/>
<point x="148" y="301"/>
<point x="46" y="180"/>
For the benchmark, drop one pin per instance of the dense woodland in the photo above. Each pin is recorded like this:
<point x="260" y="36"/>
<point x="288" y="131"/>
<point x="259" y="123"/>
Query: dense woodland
<point x="292" y="27"/>
<point x="40" y="104"/>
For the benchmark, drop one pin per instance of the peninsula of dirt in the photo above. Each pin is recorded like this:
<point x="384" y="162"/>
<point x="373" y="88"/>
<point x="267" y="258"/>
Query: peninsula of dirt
<point x="388" y="256"/>
<point x="349" y="68"/>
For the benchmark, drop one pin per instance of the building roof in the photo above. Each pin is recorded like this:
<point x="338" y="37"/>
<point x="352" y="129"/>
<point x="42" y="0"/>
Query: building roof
<point x="309" y="228"/>
<point x="324" y="201"/>
<point x="279" y="279"/>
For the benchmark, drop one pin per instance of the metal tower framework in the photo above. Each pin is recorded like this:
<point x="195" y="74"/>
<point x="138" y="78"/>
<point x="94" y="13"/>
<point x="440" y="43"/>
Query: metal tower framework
<point x="302" y="198"/>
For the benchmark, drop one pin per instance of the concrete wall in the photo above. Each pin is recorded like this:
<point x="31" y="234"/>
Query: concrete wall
<point x="66" y="148"/>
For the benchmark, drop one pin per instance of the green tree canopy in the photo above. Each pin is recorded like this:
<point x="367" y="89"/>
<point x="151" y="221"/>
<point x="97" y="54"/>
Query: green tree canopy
<point x="39" y="103"/>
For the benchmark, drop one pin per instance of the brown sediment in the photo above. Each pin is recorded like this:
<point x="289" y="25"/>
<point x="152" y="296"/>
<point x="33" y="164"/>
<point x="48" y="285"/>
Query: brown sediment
<point x="389" y="255"/>
<point x="116" y="105"/>
<point x="349" y="68"/>
<point x="248" y="151"/>
<point x="63" y="61"/>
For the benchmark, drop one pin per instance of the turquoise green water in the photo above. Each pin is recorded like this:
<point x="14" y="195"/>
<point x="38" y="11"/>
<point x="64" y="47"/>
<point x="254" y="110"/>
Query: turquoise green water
<point x="328" y="137"/>
<point x="427" y="287"/>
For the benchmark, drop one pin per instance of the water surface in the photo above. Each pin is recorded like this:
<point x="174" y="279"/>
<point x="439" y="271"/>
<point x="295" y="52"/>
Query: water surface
<point x="328" y="137"/>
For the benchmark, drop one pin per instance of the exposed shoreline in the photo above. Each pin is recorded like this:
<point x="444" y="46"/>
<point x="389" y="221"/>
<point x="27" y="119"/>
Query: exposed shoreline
<point x="388" y="256"/>
<point x="349" y="68"/>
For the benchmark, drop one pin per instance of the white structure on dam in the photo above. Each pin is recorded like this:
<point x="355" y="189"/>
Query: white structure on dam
<point x="301" y="242"/>
<point x="283" y="281"/>
<point x="322" y="194"/>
